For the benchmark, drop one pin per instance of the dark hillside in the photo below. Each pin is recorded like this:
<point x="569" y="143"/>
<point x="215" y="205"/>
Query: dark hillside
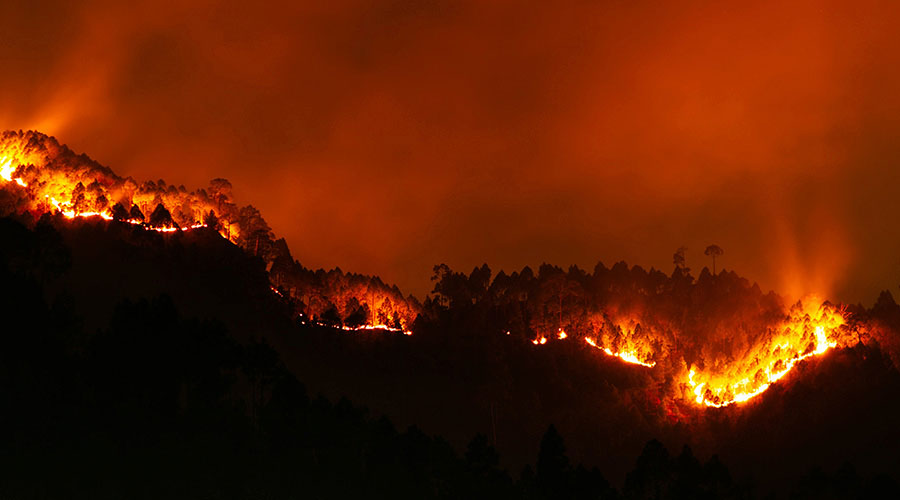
<point x="452" y="377"/>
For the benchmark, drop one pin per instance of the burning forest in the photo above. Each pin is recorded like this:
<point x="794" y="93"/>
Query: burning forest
<point x="716" y="340"/>
<point x="686" y="350"/>
<point x="39" y="176"/>
<point x="449" y="249"/>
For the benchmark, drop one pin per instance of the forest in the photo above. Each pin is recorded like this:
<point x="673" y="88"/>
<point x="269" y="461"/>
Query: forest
<point x="165" y="342"/>
<point x="160" y="401"/>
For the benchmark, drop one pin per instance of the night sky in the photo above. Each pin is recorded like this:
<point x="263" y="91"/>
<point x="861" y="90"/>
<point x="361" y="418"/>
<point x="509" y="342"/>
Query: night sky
<point x="385" y="137"/>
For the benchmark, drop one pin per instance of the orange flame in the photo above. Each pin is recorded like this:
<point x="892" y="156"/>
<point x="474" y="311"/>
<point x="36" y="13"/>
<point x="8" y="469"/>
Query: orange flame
<point x="808" y="331"/>
<point x="47" y="186"/>
<point x="628" y="357"/>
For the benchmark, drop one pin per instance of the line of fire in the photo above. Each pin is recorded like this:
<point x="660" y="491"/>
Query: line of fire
<point x="719" y="351"/>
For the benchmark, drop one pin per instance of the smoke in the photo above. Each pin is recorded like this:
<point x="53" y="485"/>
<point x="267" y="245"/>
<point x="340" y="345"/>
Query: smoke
<point x="392" y="136"/>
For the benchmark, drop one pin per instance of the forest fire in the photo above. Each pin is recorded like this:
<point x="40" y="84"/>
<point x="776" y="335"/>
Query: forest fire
<point x="809" y="330"/>
<point x="7" y="170"/>
<point x="363" y="328"/>
<point x="44" y="177"/>
<point x="39" y="176"/>
<point x="84" y="190"/>
<point x="628" y="357"/>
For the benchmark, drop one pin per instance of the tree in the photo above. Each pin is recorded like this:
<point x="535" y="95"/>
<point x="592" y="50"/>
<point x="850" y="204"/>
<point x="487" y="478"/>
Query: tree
<point x="678" y="257"/>
<point x="356" y="314"/>
<point x="553" y="468"/>
<point x="211" y="220"/>
<point x="489" y="481"/>
<point x="451" y="287"/>
<point x="651" y="475"/>
<point x="562" y="288"/>
<point x="220" y="190"/>
<point x="136" y="214"/>
<point x="714" y="251"/>
<point x="119" y="212"/>
<point x="79" y="203"/>
<point x="161" y="217"/>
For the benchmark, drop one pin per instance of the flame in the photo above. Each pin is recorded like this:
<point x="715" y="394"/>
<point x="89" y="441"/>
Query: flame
<point x="379" y="327"/>
<point x="7" y="170"/>
<point x="628" y="357"/>
<point x="55" y="180"/>
<point x="363" y="328"/>
<point x="811" y="328"/>
<point x="71" y="213"/>
<point x="45" y="177"/>
<point x="808" y="331"/>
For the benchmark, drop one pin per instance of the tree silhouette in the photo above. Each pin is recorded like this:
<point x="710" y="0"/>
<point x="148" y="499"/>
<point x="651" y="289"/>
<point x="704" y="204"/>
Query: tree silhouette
<point x="652" y="473"/>
<point x="119" y="212"/>
<point x="678" y="257"/>
<point x="714" y="251"/>
<point x="136" y="214"/>
<point x="161" y="217"/>
<point x="211" y="220"/>
<point x="553" y="468"/>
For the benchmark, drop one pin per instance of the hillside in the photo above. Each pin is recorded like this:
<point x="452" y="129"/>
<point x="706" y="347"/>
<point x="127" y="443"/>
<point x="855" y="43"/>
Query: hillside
<point x="612" y="357"/>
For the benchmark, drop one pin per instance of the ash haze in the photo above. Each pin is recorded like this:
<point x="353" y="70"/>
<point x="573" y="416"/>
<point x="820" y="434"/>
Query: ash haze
<point x="386" y="137"/>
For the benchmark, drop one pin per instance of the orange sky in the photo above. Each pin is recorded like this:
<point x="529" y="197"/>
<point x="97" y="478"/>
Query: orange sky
<point x="386" y="137"/>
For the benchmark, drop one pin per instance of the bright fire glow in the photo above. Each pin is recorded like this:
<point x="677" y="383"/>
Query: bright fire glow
<point x="7" y="170"/>
<point x="363" y="328"/>
<point x="809" y="330"/>
<point x="628" y="357"/>
<point x="82" y="189"/>
<point x="56" y="181"/>
<point x="70" y="213"/>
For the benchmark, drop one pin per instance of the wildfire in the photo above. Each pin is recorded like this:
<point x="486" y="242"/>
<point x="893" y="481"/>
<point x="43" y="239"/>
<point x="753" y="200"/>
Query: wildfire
<point x="41" y="176"/>
<point x="71" y="213"/>
<point x="628" y="357"/>
<point x="56" y="180"/>
<point x="811" y="328"/>
<point x="363" y="328"/>
<point x="808" y="331"/>
<point x="379" y="328"/>
<point x="7" y="170"/>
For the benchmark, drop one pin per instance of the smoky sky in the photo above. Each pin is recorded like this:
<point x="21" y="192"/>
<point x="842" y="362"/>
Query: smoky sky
<point x="386" y="137"/>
